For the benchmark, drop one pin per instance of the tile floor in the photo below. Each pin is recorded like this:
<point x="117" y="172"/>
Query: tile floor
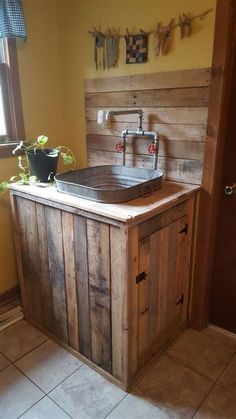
<point x="196" y="377"/>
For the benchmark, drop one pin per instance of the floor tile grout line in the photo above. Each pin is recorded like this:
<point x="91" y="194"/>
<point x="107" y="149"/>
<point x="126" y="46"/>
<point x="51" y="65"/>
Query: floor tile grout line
<point x="59" y="406"/>
<point x="185" y="364"/>
<point x="204" y="399"/>
<point x="116" y="406"/>
<point x="18" y="417"/>
<point x="215" y="383"/>
<point x="46" y="394"/>
<point x="64" y="379"/>
<point x="13" y="362"/>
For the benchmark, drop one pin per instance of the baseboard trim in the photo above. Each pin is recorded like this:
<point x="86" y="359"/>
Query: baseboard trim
<point x="221" y="330"/>
<point x="9" y="296"/>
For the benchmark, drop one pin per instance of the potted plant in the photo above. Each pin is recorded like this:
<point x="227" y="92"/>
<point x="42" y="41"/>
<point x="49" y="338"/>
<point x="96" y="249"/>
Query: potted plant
<point x="39" y="164"/>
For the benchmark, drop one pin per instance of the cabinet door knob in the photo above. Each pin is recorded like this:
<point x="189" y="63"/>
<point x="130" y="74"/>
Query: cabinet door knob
<point x="229" y="189"/>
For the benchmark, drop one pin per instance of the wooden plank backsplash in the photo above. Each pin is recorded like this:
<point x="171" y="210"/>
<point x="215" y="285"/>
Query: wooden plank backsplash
<point x="175" y="104"/>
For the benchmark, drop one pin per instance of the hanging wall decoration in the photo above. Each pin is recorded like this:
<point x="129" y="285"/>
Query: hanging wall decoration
<point x="106" y="45"/>
<point x="136" y="48"/>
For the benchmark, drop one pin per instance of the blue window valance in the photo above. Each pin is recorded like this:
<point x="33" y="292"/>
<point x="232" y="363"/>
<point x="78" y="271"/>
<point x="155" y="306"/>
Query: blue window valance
<point x="12" y="22"/>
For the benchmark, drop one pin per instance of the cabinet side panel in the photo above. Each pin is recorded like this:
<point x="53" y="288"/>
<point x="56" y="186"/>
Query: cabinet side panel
<point x="57" y="274"/>
<point x="132" y="287"/>
<point x="46" y="291"/>
<point x="30" y="258"/>
<point x="70" y="278"/>
<point x="98" y="237"/>
<point x="81" y="267"/>
<point x="118" y="303"/>
<point x="143" y="298"/>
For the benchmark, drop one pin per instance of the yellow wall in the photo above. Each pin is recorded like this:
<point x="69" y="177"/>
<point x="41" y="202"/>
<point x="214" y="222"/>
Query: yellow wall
<point x="42" y="106"/>
<point x="75" y="18"/>
<point x="58" y="56"/>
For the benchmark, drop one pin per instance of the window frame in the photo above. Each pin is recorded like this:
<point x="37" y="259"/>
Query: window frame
<point x="11" y="98"/>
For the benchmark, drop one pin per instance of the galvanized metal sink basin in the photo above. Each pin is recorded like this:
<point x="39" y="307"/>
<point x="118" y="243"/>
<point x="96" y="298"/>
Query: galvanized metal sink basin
<point x="109" y="184"/>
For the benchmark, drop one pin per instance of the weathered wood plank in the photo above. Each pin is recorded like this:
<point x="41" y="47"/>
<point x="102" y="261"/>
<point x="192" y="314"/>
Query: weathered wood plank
<point x="98" y="238"/>
<point x="18" y="247"/>
<point x="81" y="265"/>
<point x="132" y="289"/>
<point x="56" y="267"/>
<point x="162" y="80"/>
<point x="118" y="302"/>
<point x="166" y="131"/>
<point x="143" y="297"/>
<point x="174" y="169"/>
<point x="158" y="115"/>
<point x="30" y="255"/>
<point x="193" y="150"/>
<point x="186" y="97"/>
<point x="70" y="278"/>
<point x="43" y="266"/>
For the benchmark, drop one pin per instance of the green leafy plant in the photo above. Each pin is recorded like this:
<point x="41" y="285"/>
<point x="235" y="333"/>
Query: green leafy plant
<point x="25" y="177"/>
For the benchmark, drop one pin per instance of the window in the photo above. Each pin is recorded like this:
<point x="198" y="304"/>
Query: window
<point x="11" y="117"/>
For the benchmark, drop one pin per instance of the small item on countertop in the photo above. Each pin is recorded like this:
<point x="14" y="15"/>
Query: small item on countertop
<point x="166" y="38"/>
<point x="112" y="47"/>
<point x="157" y="39"/>
<point x="136" y="48"/>
<point x="100" y="56"/>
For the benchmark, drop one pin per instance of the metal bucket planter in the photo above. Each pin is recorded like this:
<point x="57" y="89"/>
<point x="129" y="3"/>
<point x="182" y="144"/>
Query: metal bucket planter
<point x="43" y="163"/>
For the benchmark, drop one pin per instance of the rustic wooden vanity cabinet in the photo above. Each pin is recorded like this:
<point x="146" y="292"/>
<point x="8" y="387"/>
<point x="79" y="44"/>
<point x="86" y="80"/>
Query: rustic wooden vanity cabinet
<point x="109" y="281"/>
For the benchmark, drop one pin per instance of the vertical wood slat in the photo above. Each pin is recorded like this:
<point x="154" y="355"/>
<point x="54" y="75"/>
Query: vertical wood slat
<point x="46" y="291"/>
<point x="29" y="248"/>
<point x="133" y="252"/>
<point x="82" y="285"/>
<point x="19" y="258"/>
<point x="70" y="279"/>
<point x="99" y="292"/>
<point x="118" y="303"/>
<point x="143" y="303"/>
<point x="56" y="266"/>
<point x="163" y="257"/>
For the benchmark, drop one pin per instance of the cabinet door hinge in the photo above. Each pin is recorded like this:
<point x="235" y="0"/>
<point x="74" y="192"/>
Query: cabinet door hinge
<point x="181" y="300"/>
<point x="141" y="277"/>
<point x="184" y="230"/>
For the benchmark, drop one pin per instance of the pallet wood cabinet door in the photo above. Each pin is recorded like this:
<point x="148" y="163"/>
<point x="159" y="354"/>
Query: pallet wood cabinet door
<point x="163" y="295"/>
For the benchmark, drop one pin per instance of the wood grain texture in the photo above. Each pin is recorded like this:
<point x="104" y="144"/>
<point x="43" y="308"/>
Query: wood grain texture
<point x="158" y="115"/>
<point x="166" y="131"/>
<point x="118" y="303"/>
<point x="82" y="285"/>
<point x="29" y="250"/>
<point x="17" y="240"/>
<point x="185" y="97"/>
<point x="174" y="169"/>
<point x="193" y="150"/>
<point x="45" y="284"/>
<point x="171" y="106"/>
<point x="70" y="279"/>
<point x="143" y="298"/>
<point x="162" y="80"/>
<point x="98" y="239"/>
<point x="132" y="289"/>
<point x="222" y="88"/>
<point x="57" y="276"/>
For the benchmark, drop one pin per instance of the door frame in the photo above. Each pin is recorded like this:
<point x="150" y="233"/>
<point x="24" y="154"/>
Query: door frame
<point x="222" y="62"/>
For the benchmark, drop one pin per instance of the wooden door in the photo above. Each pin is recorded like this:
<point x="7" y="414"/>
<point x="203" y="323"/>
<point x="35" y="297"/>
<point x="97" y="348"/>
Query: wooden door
<point x="223" y="291"/>
<point x="163" y="295"/>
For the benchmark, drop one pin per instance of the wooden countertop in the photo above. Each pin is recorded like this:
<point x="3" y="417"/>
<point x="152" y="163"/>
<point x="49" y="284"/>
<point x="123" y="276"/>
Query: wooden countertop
<point x="130" y="212"/>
